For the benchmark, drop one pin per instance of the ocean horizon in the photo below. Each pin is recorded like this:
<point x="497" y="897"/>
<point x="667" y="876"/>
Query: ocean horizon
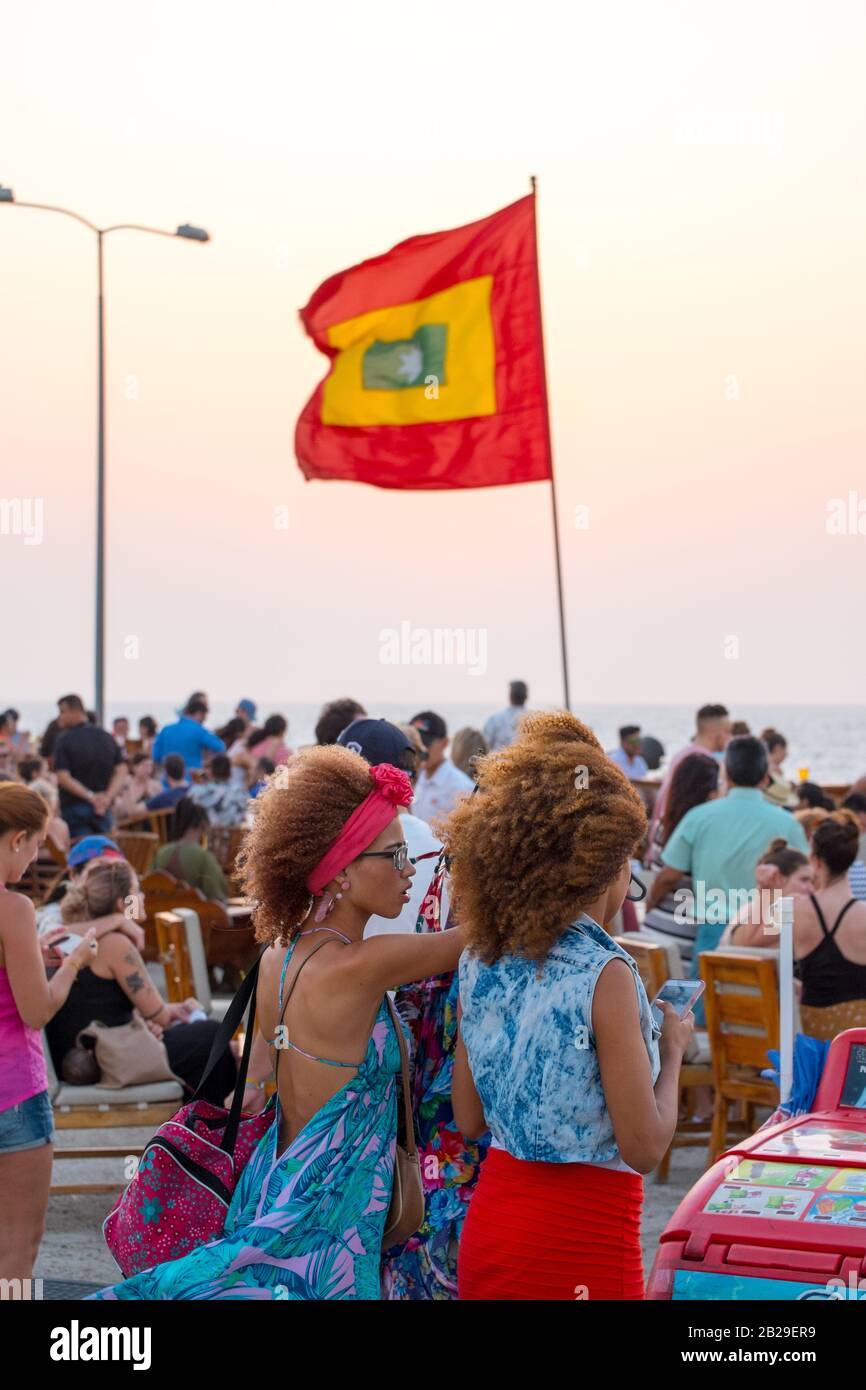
<point x="828" y="740"/>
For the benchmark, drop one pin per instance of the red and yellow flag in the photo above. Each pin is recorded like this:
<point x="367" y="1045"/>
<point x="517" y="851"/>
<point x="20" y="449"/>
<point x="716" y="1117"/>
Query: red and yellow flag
<point x="437" y="369"/>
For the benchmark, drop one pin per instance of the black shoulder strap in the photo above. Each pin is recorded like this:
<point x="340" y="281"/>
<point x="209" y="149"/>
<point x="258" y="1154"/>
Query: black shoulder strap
<point x="819" y="914"/>
<point x="245" y="996"/>
<point x="850" y="903"/>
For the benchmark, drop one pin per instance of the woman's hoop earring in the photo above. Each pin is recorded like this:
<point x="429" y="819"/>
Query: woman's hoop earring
<point x="302" y="920"/>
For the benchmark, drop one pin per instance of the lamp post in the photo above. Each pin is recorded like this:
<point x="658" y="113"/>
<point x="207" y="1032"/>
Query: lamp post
<point x="189" y="233"/>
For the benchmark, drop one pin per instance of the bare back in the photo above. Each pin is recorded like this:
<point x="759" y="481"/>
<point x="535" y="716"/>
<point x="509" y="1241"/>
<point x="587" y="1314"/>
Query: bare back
<point x="850" y="936"/>
<point x="327" y="1017"/>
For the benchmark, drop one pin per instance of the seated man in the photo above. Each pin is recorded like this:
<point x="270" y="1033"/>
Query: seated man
<point x="225" y="802"/>
<point x="177" y="785"/>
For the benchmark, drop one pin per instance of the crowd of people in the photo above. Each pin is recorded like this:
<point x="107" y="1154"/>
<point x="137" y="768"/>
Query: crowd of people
<point x="543" y="1087"/>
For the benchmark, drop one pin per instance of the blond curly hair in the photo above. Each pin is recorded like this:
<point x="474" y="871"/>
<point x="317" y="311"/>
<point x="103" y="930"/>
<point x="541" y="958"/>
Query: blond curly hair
<point x="549" y="829"/>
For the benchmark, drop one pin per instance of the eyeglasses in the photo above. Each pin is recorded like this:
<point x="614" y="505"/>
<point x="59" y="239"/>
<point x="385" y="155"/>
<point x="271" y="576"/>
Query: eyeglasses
<point x="399" y="856"/>
<point x="639" y="896"/>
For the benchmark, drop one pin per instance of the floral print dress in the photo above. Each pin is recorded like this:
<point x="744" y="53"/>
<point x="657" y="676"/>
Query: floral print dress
<point x="306" y="1223"/>
<point x="426" y="1267"/>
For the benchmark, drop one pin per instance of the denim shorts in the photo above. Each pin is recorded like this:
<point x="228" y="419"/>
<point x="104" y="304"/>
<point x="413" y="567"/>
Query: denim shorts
<point x="27" y="1125"/>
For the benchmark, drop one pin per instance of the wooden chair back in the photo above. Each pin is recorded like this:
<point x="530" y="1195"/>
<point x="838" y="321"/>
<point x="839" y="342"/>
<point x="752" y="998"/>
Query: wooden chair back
<point x="742" y="1007"/>
<point x="174" y="956"/>
<point x="151" y="822"/>
<point x="224" y="841"/>
<point x="138" y="847"/>
<point x="651" y="960"/>
<point x="42" y="877"/>
<point x="226" y="943"/>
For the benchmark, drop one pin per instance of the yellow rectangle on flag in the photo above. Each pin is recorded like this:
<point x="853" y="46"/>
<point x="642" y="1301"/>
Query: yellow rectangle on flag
<point x="429" y="360"/>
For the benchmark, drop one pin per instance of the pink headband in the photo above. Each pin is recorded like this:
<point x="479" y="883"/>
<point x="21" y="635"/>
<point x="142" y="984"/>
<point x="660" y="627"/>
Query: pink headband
<point x="391" y="789"/>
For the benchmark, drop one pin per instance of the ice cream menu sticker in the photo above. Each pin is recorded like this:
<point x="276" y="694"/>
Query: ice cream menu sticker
<point x="791" y="1190"/>
<point x="830" y="1210"/>
<point x="740" y="1199"/>
<point x="819" y="1141"/>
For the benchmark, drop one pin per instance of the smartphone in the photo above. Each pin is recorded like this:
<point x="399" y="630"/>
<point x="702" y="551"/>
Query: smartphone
<point x="67" y="944"/>
<point x="682" y="994"/>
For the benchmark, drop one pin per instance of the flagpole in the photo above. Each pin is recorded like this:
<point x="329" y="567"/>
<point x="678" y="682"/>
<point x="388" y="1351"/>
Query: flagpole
<point x="556" y="549"/>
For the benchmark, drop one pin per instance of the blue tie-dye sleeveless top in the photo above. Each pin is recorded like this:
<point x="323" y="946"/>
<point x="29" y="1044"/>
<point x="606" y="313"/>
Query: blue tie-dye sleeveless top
<point x="527" y="1027"/>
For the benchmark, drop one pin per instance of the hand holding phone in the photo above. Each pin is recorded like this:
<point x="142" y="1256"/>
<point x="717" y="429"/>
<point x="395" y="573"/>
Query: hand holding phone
<point x="682" y="995"/>
<point x="67" y="944"/>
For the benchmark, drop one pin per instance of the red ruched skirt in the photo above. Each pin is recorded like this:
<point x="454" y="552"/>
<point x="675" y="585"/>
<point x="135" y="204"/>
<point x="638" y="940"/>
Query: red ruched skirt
<point x="551" y="1231"/>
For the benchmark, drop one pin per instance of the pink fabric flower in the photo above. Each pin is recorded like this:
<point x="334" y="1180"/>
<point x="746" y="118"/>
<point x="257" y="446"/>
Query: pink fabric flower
<point x="392" y="783"/>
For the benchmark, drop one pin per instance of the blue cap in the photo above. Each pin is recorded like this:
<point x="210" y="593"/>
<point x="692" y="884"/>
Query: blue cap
<point x="377" y="740"/>
<point x="248" y="707"/>
<point x="93" y="847"/>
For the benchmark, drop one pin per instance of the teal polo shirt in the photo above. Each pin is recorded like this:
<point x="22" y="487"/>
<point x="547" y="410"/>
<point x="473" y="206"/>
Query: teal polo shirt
<point x="721" y="842"/>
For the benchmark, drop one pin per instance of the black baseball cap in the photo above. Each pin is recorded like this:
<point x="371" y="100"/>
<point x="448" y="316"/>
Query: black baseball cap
<point x="378" y="741"/>
<point x="430" y="726"/>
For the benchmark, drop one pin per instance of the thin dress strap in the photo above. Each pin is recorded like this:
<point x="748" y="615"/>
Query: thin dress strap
<point x="850" y="903"/>
<point x="287" y="958"/>
<point x="287" y="1044"/>
<point x="819" y="914"/>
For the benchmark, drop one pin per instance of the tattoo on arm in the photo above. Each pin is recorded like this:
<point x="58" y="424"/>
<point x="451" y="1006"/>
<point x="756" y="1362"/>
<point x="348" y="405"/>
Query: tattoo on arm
<point x="136" y="982"/>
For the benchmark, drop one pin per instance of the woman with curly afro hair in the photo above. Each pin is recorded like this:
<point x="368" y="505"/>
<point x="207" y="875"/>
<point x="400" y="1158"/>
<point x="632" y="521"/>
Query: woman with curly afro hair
<point x="559" y="1055"/>
<point x="311" y="1211"/>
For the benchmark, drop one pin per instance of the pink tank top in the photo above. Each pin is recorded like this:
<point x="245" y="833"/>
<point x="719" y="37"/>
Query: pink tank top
<point x="22" y="1061"/>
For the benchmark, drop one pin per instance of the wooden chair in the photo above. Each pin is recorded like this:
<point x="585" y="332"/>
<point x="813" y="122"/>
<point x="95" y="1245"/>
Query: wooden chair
<point x="43" y="875"/>
<point x="182" y="954"/>
<point x="228" y="944"/>
<point x="138" y="847"/>
<point x="651" y="961"/>
<point x="742" y="1004"/>
<point x="224" y="842"/>
<point x="655" y="966"/>
<point x="152" y="822"/>
<point x="95" y="1107"/>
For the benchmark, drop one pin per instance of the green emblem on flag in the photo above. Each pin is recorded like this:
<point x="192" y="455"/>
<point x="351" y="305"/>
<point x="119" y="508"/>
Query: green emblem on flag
<point x="407" y="361"/>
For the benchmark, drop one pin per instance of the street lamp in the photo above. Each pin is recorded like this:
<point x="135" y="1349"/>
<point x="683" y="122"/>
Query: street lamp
<point x="188" y="233"/>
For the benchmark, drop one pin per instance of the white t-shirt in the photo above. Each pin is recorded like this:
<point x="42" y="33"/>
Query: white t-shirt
<point x="437" y="795"/>
<point x="424" y="848"/>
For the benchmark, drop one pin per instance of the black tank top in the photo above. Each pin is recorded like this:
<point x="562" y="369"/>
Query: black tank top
<point x="828" y="976"/>
<point x="89" y="998"/>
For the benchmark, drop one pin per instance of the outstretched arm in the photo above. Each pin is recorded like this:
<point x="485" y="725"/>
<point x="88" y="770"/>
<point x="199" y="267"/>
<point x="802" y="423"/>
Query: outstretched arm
<point x="386" y="962"/>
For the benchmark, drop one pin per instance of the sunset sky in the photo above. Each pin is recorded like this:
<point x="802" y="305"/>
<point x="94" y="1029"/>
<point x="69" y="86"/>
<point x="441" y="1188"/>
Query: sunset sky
<point x="702" y="216"/>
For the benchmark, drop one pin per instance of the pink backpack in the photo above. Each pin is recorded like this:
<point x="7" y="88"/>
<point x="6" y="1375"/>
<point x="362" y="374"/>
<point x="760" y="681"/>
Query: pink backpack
<point x="187" y="1175"/>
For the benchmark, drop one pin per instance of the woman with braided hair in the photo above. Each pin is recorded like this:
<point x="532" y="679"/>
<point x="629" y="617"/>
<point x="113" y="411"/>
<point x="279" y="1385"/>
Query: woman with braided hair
<point x="559" y="1055"/>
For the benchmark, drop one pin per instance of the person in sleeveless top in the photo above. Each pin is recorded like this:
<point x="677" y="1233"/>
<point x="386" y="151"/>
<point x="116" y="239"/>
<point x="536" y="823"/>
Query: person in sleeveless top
<point x="27" y="1001"/>
<point x="780" y="872"/>
<point x="559" y="1054"/>
<point x="116" y="982"/>
<point x="186" y="857"/>
<point x="830" y="934"/>
<point x="308" y="1215"/>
